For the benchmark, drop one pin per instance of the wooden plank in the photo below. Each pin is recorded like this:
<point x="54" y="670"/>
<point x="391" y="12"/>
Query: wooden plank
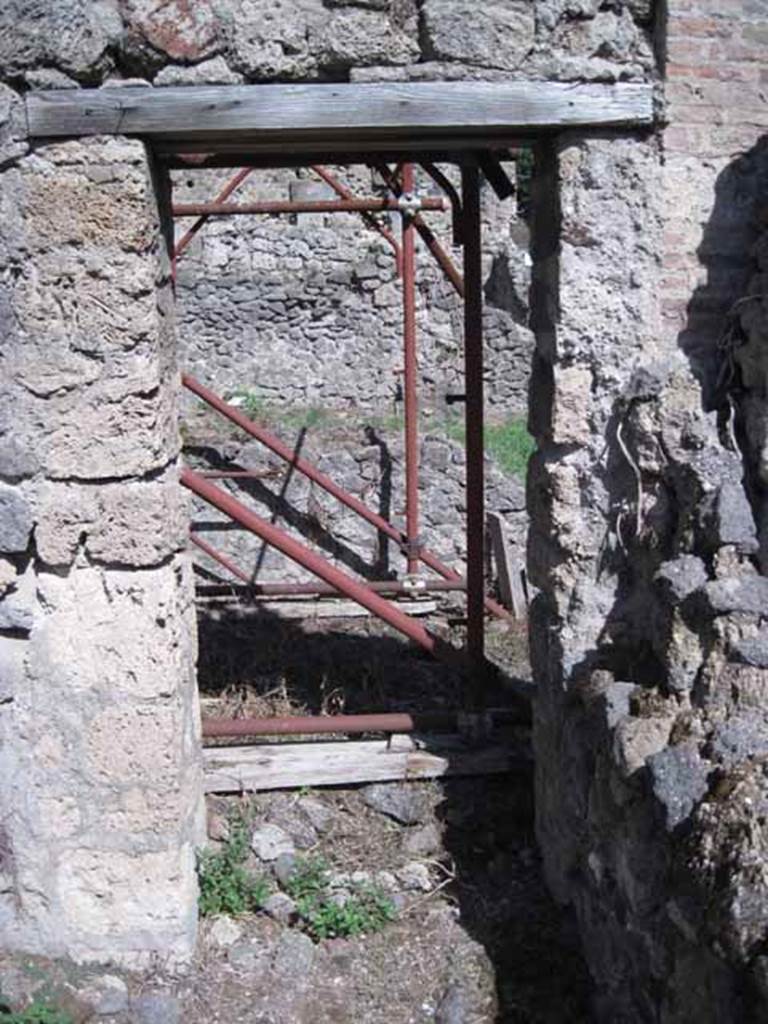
<point x="352" y="114"/>
<point x="508" y="568"/>
<point x="324" y="609"/>
<point x="345" y="762"/>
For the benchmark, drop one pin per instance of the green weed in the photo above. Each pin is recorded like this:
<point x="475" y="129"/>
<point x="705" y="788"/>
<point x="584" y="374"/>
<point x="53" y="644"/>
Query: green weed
<point x="226" y="886"/>
<point x="509" y="443"/>
<point x="37" y="1013"/>
<point x="309" y="879"/>
<point x="366" y="910"/>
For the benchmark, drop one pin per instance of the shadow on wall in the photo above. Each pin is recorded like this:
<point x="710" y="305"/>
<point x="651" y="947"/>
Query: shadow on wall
<point x="726" y="253"/>
<point x="724" y="334"/>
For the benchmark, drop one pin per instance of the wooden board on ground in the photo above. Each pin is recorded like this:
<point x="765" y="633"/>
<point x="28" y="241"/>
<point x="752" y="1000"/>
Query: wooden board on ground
<point x="346" y="762"/>
<point x="359" y="115"/>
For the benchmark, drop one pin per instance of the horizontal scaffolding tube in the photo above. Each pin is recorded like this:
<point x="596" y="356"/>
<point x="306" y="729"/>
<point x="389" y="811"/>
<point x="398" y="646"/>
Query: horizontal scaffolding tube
<point x="317" y="565"/>
<point x="305" y="725"/>
<point x="284" y="452"/>
<point x="290" y="206"/>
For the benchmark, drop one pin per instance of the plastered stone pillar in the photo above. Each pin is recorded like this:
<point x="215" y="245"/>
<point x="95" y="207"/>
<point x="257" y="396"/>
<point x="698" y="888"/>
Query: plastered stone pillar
<point x="100" y="777"/>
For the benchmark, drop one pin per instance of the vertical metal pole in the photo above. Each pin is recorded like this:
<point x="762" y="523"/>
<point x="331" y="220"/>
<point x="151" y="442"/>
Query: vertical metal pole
<point x="410" y="382"/>
<point x="473" y="380"/>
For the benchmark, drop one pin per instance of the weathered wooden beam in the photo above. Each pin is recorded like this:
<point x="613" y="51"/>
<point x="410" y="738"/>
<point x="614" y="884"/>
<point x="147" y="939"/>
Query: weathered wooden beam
<point x="335" y="763"/>
<point x="359" y="116"/>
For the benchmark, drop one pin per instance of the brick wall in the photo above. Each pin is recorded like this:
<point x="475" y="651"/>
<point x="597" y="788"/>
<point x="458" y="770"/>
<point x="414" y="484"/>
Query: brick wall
<point x="715" y="166"/>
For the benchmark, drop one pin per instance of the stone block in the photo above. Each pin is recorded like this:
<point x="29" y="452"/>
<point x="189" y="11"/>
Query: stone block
<point x="115" y="632"/>
<point x="680" y="577"/>
<point x="109" y="899"/>
<point x="636" y="740"/>
<point x="743" y="594"/>
<point x="753" y="650"/>
<point x="741" y="737"/>
<point x="679" y="779"/>
<point x="496" y="35"/>
<point x="184" y="32"/>
<point x="16" y="519"/>
<point x="571" y="404"/>
<point x="355" y="36"/>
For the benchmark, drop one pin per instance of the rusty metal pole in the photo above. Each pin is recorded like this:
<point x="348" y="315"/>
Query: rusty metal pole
<point x="291" y="206"/>
<point x="322" y="480"/>
<point x="410" y="383"/>
<point x="317" y="565"/>
<point x="473" y="378"/>
<point x="426" y="234"/>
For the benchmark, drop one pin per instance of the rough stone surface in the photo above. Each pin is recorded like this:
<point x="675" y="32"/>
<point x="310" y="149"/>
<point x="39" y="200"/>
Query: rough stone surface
<point x="156" y="1008"/>
<point x="107" y="994"/>
<point x="269" y="842"/>
<point x="99" y="767"/>
<point x="496" y="35"/>
<point x="405" y="804"/>
<point x="644" y="528"/>
<point x="223" y="931"/>
<point x="15" y="520"/>
<point x="679" y="781"/>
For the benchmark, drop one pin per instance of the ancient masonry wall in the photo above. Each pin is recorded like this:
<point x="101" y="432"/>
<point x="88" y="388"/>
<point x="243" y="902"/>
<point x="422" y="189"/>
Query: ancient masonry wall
<point x="648" y="636"/>
<point x="99" y="772"/>
<point x="99" y="775"/>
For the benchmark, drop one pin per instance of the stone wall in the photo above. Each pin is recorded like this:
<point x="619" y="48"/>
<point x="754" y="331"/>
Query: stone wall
<point x="99" y="765"/>
<point x="307" y="310"/>
<point x="648" y="641"/>
<point x="647" y="637"/>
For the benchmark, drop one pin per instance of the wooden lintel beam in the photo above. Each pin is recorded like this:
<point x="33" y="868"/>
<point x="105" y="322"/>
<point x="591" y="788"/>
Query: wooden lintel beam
<point x="354" y="116"/>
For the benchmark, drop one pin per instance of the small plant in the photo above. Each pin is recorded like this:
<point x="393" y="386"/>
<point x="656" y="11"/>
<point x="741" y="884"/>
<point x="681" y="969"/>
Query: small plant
<point x="37" y="1013"/>
<point x="226" y="886"/>
<point x="367" y="909"/>
<point x="252" y="405"/>
<point x="309" y="879"/>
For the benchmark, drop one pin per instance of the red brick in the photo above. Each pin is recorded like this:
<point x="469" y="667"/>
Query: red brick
<point x="697" y="26"/>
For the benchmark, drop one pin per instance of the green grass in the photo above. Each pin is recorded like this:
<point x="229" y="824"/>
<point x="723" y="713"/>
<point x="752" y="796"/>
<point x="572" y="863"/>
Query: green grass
<point x="508" y="443"/>
<point x="261" y="411"/>
<point x="37" y="1013"/>
<point x="367" y="909"/>
<point x="226" y="886"/>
